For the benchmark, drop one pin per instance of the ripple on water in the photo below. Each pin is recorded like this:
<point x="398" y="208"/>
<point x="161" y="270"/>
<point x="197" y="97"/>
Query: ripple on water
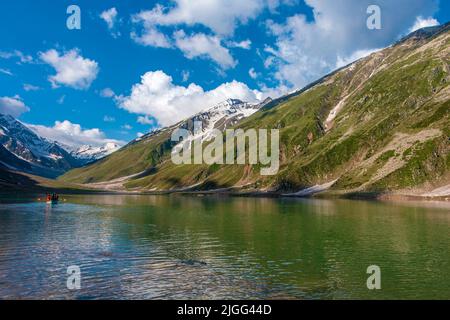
<point x="147" y="248"/>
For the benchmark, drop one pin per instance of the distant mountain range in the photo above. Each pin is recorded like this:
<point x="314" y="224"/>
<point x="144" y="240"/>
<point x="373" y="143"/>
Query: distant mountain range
<point x="23" y="150"/>
<point x="380" y="124"/>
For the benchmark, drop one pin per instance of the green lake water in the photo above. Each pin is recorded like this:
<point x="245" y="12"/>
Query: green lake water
<point x="185" y="247"/>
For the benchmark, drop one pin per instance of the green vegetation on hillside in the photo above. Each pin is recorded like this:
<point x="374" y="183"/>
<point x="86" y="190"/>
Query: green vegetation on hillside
<point x="391" y="132"/>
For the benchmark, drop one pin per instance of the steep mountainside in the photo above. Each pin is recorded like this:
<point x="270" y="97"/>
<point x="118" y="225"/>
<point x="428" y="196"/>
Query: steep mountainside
<point x="23" y="150"/>
<point x="146" y="152"/>
<point x="380" y="124"/>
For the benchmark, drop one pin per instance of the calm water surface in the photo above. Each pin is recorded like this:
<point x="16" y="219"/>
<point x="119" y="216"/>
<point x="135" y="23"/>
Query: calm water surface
<point x="179" y="247"/>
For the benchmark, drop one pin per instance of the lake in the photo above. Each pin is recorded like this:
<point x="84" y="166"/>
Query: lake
<point x="187" y="247"/>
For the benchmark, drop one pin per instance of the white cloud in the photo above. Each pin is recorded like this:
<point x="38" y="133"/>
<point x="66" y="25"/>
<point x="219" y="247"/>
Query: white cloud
<point x="152" y="38"/>
<point x="30" y="87"/>
<point x="305" y="50"/>
<point x="109" y="16"/>
<point x="274" y="4"/>
<point x="14" y="106"/>
<point x="202" y="45"/>
<point x="73" y="135"/>
<point x="107" y="93"/>
<point x="6" y="71"/>
<point x="61" y="99"/>
<point x="16" y="54"/>
<point x="423" y="23"/>
<point x="342" y="62"/>
<point x="273" y="92"/>
<point x="157" y="96"/>
<point x="252" y="73"/>
<point x="244" y="44"/>
<point x="268" y="62"/>
<point x="145" y="120"/>
<point x="197" y="45"/>
<point x="221" y="16"/>
<point x="72" y="69"/>
<point x="139" y="134"/>
<point x="127" y="127"/>
<point x="185" y="75"/>
<point x="107" y="118"/>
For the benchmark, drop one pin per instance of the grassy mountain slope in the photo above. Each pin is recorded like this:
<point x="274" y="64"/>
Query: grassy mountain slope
<point x="20" y="183"/>
<point x="380" y="124"/>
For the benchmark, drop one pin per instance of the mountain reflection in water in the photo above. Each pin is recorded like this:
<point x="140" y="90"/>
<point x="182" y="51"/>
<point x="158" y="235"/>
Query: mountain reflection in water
<point x="184" y="247"/>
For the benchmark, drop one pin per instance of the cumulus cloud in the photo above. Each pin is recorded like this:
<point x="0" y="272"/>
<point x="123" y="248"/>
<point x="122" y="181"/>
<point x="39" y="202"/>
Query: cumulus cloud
<point x="72" y="69"/>
<point x="244" y="44"/>
<point x="423" y="23"/>
<point x="221" y="16"/>
<point x="305" y="50"/>
<point x="153" y="38"/>
<point x="202" y="45"/>
<point x="150" y="36"/>
<point x="343" y="61"/>
<point x="110" y="17"/>
<point x="157" y="96"/>
<point x="145" y="120"/>
<point x="13" y="106"/>
<point x="73" y="135"/>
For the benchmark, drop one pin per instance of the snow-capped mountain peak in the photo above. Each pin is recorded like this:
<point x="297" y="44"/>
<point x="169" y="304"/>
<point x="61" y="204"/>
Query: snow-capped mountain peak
<point x="24" y="150"/>
<point x="221" y="116"/>
<point x="91" y="153"/>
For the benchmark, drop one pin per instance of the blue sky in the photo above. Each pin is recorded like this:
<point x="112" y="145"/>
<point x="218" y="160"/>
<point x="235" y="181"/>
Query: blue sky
<point x="136" y="64"/>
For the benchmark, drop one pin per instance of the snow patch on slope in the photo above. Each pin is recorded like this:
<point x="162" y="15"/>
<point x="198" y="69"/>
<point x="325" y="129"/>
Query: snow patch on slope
<point x="312" y="190"/>
<point x="221" y="116"/>
<point x="88" y="152"/>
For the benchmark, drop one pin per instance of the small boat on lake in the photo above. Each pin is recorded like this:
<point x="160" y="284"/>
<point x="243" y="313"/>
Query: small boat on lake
<point x="52" y="198"/>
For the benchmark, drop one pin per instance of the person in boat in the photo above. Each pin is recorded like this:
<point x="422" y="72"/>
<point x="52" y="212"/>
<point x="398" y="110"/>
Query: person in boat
<point x="49" y="197"/>
<point x="55" y="197"/>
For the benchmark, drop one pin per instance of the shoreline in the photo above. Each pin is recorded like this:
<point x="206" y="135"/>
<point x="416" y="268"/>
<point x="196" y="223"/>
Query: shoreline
<point x="39" y="186"/>
<point x="326" y="195"/>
